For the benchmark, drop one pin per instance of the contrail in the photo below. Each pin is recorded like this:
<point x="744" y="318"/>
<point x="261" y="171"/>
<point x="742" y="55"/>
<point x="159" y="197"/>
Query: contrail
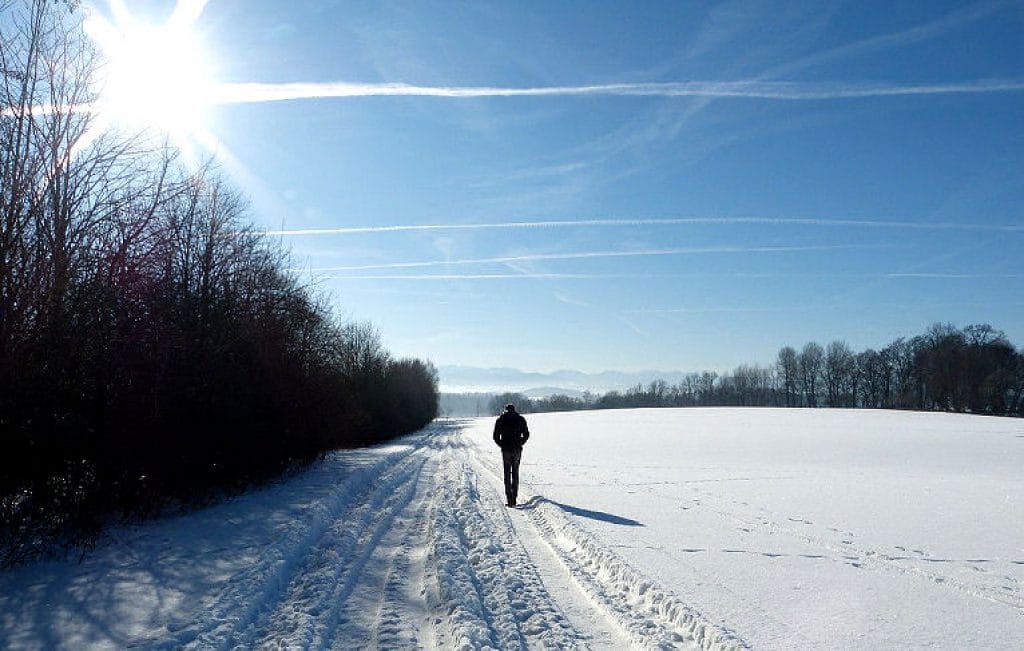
<point x="652" y="276"/>
<point x="590" y="254"/>
<point x="500" y="276"/>
<point x="774" y="221"/>
<point x="715" y="310"/>
<point x="255" y="93"/>
<point x="800" y="308"/>
<point x="243" y="93"/>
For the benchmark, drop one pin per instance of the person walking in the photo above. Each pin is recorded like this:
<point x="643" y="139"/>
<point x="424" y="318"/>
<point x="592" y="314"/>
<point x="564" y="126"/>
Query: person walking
<point x="510" y="433"/>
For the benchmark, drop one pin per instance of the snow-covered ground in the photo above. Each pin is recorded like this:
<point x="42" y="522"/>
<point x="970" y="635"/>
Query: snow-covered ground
<point x="698" y="528"/>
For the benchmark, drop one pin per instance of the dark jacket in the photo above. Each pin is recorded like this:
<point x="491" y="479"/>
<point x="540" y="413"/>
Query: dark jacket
<point x="510" y="430"/>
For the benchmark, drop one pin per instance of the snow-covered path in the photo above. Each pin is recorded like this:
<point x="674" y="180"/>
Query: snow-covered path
<point x="807" y="529"/>
<point x="398" y="546"/>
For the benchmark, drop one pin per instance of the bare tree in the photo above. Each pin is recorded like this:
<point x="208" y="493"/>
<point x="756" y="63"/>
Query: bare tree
<point x="789" y="369"/>
<point x="838" y="371"/>
<point x="810" y="363"/>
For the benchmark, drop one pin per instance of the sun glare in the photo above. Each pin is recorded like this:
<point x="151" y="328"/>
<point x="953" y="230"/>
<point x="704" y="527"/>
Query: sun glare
<point x="154" y="76"/>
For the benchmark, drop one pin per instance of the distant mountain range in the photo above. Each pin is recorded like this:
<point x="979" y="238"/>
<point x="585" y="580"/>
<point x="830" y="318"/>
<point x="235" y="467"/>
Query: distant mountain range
<point x="474" y="379"/>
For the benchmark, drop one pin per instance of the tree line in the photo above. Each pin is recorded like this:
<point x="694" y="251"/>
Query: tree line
<point x="154" y="348"/>
<point x="975" y="369"/>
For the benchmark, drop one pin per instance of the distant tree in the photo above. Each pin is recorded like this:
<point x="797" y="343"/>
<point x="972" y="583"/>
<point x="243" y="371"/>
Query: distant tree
<point x="706" y="388"/>
<point x="788" y="365"/>
<point x="497" y="404"/>
<point x="1015" y="398"/>
<point x="688" y="390"/>
<point x="411" y="386"/>
<point x="838" y="373"/>
<point x="559" y="402"/>
<point x="903" y="391"/>
<point x="811" y="361"/>
<point x="988" y="369"/>
<point x="873" y="373"/>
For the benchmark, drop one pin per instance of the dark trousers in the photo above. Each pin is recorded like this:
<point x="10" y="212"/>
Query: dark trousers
<point x="511" y="457"/>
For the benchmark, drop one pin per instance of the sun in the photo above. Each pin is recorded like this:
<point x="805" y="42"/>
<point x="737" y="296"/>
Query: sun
<point x="152" y="76"/>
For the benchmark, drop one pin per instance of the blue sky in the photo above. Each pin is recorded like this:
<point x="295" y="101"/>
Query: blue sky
<point x="739" y="176"/>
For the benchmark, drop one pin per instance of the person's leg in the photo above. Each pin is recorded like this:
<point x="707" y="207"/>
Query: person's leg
<point x="517" y="456"/>
<point x="507" y="457"/>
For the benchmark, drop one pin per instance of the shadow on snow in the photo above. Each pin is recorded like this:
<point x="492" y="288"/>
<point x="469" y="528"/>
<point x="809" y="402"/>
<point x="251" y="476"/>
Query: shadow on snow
<point x="602" y="516"/>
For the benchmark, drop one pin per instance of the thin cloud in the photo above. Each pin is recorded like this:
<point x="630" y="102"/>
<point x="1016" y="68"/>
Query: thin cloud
<point x="881" y="42"/>
<point x="500" y="276"/>
<point x="773" y="221"/>
<point x="593" y="254"/>
<point x="257" y="93"/>
<point x="808" y="308"/>
<point x="716" y="310"/>
<point x="187" y="12"/>
<point x="654" y="276"/>
<point x="245" y="93"/>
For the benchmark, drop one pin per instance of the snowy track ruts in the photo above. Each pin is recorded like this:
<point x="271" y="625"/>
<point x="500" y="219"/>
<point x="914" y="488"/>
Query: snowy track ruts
<point x="488" y="589"/>
<point x="651" y="617"/>
<point x="317" y="605"/>
<point x="409" y="552"/>
<point x="405" y="584"/>
<point x="240" y="612"/>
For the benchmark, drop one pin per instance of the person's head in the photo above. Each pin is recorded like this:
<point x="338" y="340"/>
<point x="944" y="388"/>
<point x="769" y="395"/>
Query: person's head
<point x="510" y="407"/>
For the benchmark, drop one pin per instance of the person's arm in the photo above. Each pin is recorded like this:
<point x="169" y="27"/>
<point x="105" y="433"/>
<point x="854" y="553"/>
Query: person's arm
<point x="497" y="438"/>
<point x="526" y="431"/>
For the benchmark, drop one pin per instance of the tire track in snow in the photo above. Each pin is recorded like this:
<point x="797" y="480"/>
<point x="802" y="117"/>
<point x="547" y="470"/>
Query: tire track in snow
<point x="648" y="615"/>
<point x="404" y="588"/>
<point x="250" y="593"/>
<point x="602" y="632"/>
<point x="490" y="591"/>
<point x="316" y="606"/>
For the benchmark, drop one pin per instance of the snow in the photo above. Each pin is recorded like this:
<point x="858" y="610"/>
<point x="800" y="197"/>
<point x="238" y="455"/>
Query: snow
<point x="809" y="529"/>
<point x="694" y="528"/>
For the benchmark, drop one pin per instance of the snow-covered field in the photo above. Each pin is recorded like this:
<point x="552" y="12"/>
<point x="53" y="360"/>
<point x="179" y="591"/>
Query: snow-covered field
<point x="698" y="528"/>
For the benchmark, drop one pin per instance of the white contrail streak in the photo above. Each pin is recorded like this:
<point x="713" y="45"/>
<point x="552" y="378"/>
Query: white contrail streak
<point x="255" y="93"/>
<point x="588" y="255"/>
<point x="243" y="93"/>
<point x="774" y="221"/>
<point x="651" y="276"/>
<point x="715" y="310"/>
<point x="517" y="276"/>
